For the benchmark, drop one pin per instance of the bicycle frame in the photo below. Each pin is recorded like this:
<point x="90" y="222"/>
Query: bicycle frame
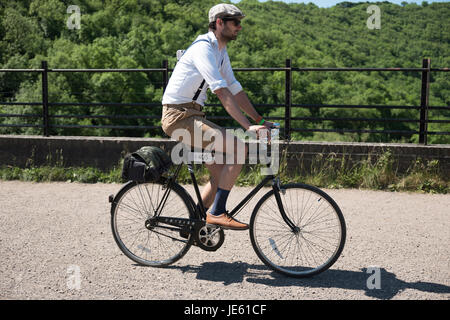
<point x="200" y="209"/>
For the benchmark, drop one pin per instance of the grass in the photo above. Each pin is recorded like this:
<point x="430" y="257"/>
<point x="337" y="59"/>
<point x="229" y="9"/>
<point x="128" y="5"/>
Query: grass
<point x="326" y="171"/>
<point x="52" y="173"/>
<point x="378" y="174"/>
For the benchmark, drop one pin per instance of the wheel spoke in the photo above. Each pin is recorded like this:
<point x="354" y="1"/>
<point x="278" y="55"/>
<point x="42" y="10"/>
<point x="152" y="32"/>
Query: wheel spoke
<point x="153" y="246"/>
<point x="317" y="243"/>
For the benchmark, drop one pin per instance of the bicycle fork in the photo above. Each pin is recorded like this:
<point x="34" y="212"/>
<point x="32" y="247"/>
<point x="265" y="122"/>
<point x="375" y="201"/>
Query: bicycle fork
<point x="277" y="190"/>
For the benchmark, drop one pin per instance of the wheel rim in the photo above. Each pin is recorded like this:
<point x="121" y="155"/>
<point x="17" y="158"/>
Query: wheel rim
<point x="313" y="247"/>
<point x="154" y="246"/>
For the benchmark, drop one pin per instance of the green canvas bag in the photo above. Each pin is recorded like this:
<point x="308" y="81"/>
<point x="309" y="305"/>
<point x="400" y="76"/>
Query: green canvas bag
<point x="146" y="164"/>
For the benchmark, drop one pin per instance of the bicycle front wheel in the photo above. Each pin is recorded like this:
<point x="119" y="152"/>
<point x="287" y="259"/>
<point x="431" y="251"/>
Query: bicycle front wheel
<point x="318" y="238"/>
<point x="152" y="245"/>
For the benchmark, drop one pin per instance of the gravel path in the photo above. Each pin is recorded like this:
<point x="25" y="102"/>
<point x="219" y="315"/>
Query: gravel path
<point x="52" y="233"/>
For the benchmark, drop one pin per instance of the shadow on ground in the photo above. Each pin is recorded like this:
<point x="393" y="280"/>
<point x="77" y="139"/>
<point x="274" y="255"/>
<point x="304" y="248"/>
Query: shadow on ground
<point x="386" y="287"/>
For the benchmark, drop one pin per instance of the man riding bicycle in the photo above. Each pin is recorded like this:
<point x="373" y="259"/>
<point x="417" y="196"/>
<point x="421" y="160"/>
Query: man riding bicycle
<point x="206" y="64"/>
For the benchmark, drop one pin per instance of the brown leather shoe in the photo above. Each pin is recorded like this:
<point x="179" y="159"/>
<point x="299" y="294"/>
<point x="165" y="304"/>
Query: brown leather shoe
<point x="226" y="222"/>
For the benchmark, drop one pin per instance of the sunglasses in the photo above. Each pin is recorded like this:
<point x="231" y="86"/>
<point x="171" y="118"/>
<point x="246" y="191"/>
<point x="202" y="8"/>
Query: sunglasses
<point x="236" y="22"/>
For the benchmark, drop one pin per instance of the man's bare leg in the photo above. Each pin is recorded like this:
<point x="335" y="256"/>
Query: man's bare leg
<point x="234" y="150"/>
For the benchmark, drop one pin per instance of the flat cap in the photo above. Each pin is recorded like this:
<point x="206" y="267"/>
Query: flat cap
<point x="224" y="10"/>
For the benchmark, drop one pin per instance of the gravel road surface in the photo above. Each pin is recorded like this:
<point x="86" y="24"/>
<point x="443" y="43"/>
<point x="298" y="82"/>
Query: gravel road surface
<point x="56" y="243"/>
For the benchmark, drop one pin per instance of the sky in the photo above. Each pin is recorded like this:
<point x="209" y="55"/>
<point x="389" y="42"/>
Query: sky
<point x="330" y="3"/>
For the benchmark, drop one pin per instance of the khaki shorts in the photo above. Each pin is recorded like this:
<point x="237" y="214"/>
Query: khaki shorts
<point x="188" y="116"/>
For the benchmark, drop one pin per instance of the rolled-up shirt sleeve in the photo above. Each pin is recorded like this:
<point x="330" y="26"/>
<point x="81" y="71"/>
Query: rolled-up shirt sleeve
<point x="233" y="85"/>
<point x="205" y="62"/>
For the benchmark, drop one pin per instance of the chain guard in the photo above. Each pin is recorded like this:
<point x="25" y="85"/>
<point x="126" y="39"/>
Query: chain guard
<point x="209" y="237"/>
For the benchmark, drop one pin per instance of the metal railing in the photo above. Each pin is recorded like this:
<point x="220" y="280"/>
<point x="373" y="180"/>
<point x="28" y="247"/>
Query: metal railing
<point x="288" y="105"/>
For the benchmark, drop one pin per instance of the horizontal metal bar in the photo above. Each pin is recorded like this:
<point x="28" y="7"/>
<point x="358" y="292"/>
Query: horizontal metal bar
<point x="351" y="106"/>
<point x="214" y="118"/>
<point x="8" y="115"/>
<point x="355" y="119"/>
<point x="108" y="104"/>
<point x="438" y="121"/>
<point x="157" y="104"/>
<point x="361" y="69"/>
<point x="21" y="70"/>
<point x="258" y="105"/>
<point x="21" y="103"/>
<point x="21" y="125"/>
<point x="230" y="118"/>
<point x="440" y="69"/>
<point x="355" y="131"/>
<point x="261" y="69"/>
<point x="307" y="106"/>
<point x="105" y="116"/>
<point x="279" y="105"/>
<point x="102" y="127"/>
<point x="430" y="108"/>
<point x="235" y="69"/>
<point x="342" y="106"/>
<point x="107" y="70"/>
<point x="157" y="127"/>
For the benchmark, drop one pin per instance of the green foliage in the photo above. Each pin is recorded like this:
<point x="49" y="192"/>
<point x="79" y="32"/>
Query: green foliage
<point x="143" y="33"/>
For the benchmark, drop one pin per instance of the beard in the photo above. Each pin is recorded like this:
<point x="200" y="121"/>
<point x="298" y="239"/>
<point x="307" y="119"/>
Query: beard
<point x="228" y="35"/>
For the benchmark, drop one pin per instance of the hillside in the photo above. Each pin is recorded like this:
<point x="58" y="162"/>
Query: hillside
<point x="143" y="33"/>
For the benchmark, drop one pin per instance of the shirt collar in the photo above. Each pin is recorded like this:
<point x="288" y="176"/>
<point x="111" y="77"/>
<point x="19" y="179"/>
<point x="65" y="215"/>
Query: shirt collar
<point x="213" y="39"/>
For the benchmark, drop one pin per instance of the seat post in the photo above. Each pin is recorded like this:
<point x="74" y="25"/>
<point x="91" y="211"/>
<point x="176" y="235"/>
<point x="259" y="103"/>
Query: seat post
<point x="197" y="190"/>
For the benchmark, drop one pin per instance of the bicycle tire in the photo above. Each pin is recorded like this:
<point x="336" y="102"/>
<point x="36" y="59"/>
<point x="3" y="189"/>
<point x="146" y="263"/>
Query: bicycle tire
<point x="134" y="204"/>
<point x="291" y="253"/>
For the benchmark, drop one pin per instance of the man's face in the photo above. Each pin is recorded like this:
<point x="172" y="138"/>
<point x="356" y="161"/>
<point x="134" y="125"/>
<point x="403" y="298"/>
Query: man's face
<point x="231" y="28"/>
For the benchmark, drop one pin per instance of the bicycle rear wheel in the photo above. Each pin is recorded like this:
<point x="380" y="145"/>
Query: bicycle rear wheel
<point x="149" y="244"/>
<point x="317" y="241"/>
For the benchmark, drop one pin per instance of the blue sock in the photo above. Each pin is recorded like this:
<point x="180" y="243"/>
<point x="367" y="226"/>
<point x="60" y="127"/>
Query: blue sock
<point x="220" y="202"/>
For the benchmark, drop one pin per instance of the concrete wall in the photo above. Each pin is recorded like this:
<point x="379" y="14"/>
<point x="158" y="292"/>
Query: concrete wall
<point x="106" y="152"/>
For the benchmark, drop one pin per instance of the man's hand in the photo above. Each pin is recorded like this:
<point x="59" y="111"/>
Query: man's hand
<point x="268" y="124"/>
<point x="261" y="131"/>
<point x="256" y="128"/>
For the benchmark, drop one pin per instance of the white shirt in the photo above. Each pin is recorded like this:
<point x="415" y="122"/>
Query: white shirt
<point x="203" y="60"/>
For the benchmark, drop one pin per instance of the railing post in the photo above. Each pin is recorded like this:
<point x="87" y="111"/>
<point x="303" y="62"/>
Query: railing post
<point x="288" y="101"/>
<point x="45" y="99"/>
<point x="165" y="65"/>
<point x="424" y="101"/>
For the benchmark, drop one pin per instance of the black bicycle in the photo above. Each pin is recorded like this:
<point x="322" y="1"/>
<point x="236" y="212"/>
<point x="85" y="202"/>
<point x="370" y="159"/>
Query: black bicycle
<point x="295" y="229"/>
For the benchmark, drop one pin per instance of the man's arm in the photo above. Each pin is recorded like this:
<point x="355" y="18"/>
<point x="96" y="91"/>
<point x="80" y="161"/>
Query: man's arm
<point x="232" y="107"/>
<point x="246" y="106"/>
<point x="230" y="104"/>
